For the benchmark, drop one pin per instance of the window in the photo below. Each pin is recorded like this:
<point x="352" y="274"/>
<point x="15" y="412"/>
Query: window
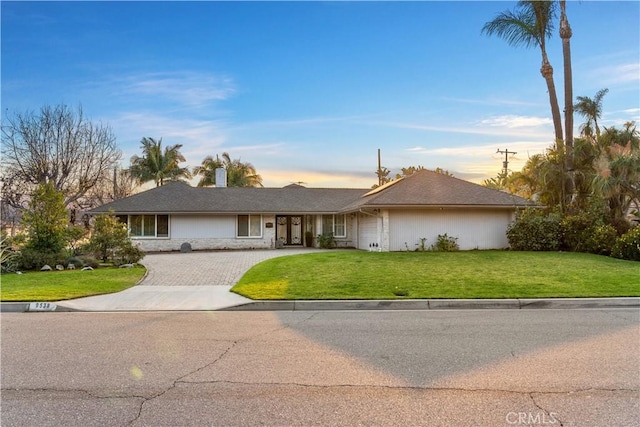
<point x="335" y="224"/>
<point x="339" y="226"/>
<point x="163" y="226"/>
<point x="149" y="225"/>
<point x="249" y="226"/>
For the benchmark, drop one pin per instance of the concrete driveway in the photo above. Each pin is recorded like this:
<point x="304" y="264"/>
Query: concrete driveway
<point x="184" y="281"/>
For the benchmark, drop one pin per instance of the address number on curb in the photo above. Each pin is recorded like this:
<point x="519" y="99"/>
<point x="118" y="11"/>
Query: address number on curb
<point x="41" y="306"/>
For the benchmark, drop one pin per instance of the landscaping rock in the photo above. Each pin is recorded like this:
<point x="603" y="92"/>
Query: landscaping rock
<point x="87" y="268"/>
<point x="46" y="268"/>
<point x="126" y="266"/>
<point x="59" y="267"/>
<point x="185" y="247"/>
<point x="71" y="267"/>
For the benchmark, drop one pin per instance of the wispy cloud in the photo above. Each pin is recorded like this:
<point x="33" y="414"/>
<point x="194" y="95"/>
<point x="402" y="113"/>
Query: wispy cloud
<point x="489" y="101"/>
<point x="187" y="88"/>
<point x="307" y="121"/>
<point x="615" y="74"/>
<point x="494" y="128"/>
<point x="523" y="148"/>
<point x="513" y="122"/>
<point x="197" y="136"/>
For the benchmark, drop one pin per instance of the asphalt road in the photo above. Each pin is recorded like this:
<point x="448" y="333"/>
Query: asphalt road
<point x="463" y="368"/>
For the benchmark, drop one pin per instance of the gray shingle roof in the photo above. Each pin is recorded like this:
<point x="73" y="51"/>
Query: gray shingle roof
<point x="181" y="198"/>
<point x="426" y="188"/>
<point x="422" y="189"/>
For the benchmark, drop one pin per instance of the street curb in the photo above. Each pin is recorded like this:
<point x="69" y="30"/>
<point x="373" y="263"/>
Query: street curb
<point x="24" y="307"/>
<point x="381" y="305"/>
<point x="439" y="304"/>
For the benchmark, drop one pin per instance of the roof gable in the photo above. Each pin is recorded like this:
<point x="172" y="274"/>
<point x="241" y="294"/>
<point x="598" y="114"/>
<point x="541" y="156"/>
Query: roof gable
<point x="427" y="188"/>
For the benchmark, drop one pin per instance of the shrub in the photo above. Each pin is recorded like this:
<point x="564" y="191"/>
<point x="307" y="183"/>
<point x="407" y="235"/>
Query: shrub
<point x="110" y="240"/>
<point x="575" y="231"/>
<point x="89" y="261"/>
<point x="445" y="243"/>
<point x="326" y="241"/>
<point x="75" y="260"/>
<point x="586" y="232"/>
<point x="34" y="259"/>
<point x="535" y="231"/>
<point x="127" y="254"/>
<point x="627" y="246"/>
<point x="9" y="258"/>
<point x="602" y="240"/>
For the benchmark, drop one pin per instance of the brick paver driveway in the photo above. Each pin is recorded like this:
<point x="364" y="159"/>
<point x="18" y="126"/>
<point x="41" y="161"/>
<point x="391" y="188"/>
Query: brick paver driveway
<point x="217" y="268"/>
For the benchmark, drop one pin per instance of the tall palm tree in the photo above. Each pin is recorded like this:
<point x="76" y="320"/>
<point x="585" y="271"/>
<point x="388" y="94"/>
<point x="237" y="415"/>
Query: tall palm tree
<point x="156" y="165"/>
<point x="239" y="174"/>
<point x="565" y="35"/>
<point x="531" y="24"/>
<point x="591" y="110"/>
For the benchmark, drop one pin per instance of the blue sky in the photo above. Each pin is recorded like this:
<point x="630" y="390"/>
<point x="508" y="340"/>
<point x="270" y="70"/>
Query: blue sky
<point x="308" y="91"/>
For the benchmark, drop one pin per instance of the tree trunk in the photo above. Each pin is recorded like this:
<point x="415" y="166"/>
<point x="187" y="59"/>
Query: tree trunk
<point x="547" y="72"/>
<point x="565" y="35"/>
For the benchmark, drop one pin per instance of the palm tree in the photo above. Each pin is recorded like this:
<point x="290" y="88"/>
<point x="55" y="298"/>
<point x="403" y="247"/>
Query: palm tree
<point x="239" y="174"/>
<point x="618" y="179"/>
<point x="565" y="35"/>
<point x="156" y="165"/>
<point x="531" y="24"/>
<point x="590" y="109"/>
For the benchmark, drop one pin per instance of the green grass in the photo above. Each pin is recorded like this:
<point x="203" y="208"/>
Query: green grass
<point x="472" y="274"/>
<point x="61" y="285"/>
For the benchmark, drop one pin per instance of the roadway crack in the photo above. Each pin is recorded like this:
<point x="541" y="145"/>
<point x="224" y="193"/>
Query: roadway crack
<point x="419" y="388"/>
<point x="552" y="415"/>
<point x="179" y="380"/>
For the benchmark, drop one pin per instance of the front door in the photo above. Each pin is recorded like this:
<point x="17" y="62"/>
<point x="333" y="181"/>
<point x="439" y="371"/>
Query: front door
<point x="289" y="229"/>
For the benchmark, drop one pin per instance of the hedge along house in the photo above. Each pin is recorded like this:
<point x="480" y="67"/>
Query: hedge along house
<point x="393" y="217"/>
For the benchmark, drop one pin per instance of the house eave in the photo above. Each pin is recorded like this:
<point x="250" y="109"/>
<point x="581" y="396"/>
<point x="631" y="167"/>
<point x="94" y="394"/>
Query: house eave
<point x="439" y="207"/>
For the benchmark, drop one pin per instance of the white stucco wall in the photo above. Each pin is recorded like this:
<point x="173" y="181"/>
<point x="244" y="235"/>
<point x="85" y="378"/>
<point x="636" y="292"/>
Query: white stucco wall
<point x="201" y="226"/>
<point x="475" y="229"/>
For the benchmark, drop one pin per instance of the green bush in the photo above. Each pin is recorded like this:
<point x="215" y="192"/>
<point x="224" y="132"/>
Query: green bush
<point x="535" y="231"/>
<point x="326" y="241"/>
<point x="445" y="243"/>
<point x="628" y="245"/>
<point x="127" y="254"/>
<point x="110" y="241"/>
<point x="9" y="258"/>
<point x="586" y="232"/>
<point x="89" y="261"/>
<point x="35" y="259"/>
<point x="575" y="231"/>
<point x="75" y="260"/>
<point x="602" y="240"/>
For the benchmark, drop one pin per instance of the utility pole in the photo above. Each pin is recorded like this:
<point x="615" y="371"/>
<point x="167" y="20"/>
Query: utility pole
<point x="505" y="164"/>
<point x="379" y="169"/>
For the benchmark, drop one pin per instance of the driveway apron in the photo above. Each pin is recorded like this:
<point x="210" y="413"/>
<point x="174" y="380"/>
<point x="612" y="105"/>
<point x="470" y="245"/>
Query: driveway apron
<point x="184" y="281"/>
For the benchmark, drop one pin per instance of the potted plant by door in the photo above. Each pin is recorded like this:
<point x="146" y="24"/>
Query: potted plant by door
<point x="308" y="239"/>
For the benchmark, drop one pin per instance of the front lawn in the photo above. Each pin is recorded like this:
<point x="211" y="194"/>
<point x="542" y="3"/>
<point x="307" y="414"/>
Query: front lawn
<point x="61" y="285"/>
<point x="472" y="274"/>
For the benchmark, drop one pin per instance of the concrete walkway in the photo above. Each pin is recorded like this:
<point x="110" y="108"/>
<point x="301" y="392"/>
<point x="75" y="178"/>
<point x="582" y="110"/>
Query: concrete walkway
<point x="189" y="281"/>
